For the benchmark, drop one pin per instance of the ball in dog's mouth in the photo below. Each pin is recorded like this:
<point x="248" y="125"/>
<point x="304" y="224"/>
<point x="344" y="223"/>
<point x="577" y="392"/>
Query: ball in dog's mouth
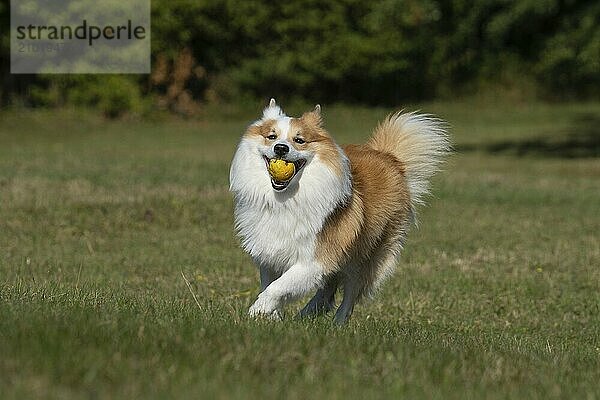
<point x="282" y="171"/>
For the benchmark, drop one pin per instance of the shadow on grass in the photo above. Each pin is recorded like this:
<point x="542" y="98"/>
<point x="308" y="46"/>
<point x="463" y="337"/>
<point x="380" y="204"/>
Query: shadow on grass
<point x="580" y="140"/>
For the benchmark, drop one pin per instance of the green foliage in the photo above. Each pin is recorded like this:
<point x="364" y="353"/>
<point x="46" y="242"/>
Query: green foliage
<point x="571" y="62"/>
<point x="379" y="52"/>
<point x="113" y="95"/>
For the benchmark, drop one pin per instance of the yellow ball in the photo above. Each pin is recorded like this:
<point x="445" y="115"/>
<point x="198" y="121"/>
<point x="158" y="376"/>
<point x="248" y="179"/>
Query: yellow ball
<point x="281" y="170"/>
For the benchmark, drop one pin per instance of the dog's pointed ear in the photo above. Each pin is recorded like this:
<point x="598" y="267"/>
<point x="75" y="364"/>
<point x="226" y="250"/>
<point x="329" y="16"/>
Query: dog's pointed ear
<point x="313" y="117"/>
<point x="272" y="111"/>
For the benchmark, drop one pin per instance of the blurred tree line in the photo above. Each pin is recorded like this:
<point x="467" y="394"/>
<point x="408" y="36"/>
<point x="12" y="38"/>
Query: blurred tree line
<point x="372" y="52"/>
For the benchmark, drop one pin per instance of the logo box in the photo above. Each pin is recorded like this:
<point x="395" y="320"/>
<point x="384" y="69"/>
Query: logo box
<point x="79" y="36"/>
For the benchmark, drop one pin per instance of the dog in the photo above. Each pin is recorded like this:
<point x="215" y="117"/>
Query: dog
<point x="340" y="220"/>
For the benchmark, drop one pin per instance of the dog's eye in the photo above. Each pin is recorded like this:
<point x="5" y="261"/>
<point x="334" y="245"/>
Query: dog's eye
<point x="272" y="137"/>
<point x="299" y="140"/>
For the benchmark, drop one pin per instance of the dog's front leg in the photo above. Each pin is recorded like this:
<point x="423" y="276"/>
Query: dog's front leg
<point x="297" y="281"/>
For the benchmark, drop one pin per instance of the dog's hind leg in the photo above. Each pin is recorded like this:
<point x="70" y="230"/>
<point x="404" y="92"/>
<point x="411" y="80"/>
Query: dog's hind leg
<point x="323" y="301"/>
<point x="363" y="279"/>
<point x="352" y="292"/>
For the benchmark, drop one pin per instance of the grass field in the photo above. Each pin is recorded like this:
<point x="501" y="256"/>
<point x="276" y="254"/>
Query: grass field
<point x="497" y="294"/>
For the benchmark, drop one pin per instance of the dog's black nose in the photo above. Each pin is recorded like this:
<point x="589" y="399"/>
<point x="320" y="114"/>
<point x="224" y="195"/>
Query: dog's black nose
<point x="281" y="149"/>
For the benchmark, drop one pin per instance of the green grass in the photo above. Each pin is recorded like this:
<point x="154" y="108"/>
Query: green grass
<point x="496" y="296"/>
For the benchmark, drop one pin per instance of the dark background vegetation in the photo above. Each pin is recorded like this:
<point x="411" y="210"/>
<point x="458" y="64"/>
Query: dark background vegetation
<point x="353" y="51"/>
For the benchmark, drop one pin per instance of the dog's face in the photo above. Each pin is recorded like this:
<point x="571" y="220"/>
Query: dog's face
<point x="294" y="140"/>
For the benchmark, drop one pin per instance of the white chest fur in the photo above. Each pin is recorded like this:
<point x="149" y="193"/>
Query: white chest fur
<point x="278" y="237"/>
<point x="281" y="229"/>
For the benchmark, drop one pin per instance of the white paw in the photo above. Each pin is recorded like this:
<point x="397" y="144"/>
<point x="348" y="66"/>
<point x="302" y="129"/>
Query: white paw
<point x="265" y="306"/>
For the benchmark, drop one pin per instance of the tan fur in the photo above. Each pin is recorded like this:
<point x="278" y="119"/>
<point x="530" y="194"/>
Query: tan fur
<point x="264" y="129"/>
<point x="358" y="234"/>
<point x="309" y="127"/>
<point x="420" y="141"/>
<point x="361" y="240"/>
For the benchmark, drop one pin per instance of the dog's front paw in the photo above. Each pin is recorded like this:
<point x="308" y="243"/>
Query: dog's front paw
<point x="264" y="306"/>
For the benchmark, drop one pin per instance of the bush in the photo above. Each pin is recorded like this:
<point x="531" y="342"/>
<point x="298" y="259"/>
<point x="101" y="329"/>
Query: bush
<point x="113" y="95"/>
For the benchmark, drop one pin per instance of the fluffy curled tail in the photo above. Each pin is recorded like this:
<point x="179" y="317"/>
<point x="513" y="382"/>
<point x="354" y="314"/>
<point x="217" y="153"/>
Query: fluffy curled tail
<point x="420" y="141"/>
